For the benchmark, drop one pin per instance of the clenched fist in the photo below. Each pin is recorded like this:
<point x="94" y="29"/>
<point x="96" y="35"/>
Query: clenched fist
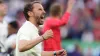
<point x="48" y="34"/>
<point x="61" y="53"/>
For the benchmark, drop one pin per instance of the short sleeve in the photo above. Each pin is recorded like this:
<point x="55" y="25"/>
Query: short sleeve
<point x="23" y="37"/>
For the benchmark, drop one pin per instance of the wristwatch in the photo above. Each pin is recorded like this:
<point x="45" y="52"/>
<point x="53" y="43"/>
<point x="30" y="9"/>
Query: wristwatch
<point x="55" y="53"/>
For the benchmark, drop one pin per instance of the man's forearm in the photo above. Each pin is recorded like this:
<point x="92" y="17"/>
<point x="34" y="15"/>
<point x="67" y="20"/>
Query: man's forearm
<point x="26" y="45"/>
<point x="70" y="5"/>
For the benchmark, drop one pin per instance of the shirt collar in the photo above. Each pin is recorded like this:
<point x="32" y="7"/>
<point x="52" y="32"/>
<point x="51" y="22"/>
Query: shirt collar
<point x="33" y="25"/>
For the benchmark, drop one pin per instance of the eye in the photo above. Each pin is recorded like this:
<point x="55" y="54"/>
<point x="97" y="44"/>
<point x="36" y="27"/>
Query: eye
<point x="40" y="9"/>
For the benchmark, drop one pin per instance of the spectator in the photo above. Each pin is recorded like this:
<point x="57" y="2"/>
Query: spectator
<point x="3" y="23"/>
<point x="77" y="51"/>
<point x="12" y="30"/>
<point x="96" y="24"/>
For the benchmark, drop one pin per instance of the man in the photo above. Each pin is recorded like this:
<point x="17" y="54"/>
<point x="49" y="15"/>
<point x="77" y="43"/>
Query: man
<point x="12" y="35"/>
<point x="53" y="22"/>
<point x="3" y="24"/>
<point x="28" y="42"/>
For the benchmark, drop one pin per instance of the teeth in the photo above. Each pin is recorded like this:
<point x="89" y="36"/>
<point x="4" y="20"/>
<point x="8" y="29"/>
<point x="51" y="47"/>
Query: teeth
<point x="42" y="19"/>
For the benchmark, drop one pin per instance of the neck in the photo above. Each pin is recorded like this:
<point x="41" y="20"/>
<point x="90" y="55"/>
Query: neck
<point x="1" y="19"/>
<point x="55" y="17"/>
<point x="33" y="21"/>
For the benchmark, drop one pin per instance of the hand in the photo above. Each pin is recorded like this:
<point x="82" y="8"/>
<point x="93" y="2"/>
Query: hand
<point x="48" y="34"/>
<point x="70" y="5"/>
<point x="61" y="53"/>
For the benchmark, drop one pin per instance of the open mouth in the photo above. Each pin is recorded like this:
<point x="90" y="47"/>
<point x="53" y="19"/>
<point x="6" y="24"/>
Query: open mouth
<point x="42" y="17"/>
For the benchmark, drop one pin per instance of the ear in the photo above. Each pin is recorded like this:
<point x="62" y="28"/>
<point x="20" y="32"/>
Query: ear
<point x="30" y="13"/>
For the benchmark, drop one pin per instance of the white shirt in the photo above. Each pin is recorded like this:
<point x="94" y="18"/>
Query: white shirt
<point x="10" y="40"/>
<point x="3" y="33"/>
<point x="28" y="32"/>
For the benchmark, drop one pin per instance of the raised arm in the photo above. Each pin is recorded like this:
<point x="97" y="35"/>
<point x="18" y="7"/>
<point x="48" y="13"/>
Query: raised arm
<point x="66" y="15"/>
<point x="63" y="21"/>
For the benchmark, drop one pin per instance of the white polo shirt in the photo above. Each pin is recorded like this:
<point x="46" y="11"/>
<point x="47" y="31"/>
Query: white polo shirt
<point x="28" y="32"/>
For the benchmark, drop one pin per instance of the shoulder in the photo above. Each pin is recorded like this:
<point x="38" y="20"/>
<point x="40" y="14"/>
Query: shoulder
<point x="28" y="30"/>
<point x="48" y="18"/>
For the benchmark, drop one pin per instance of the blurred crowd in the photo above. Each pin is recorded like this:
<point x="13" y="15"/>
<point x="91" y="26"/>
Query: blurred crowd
<point x="84" y="23"/>
<point x="77" y="50"/>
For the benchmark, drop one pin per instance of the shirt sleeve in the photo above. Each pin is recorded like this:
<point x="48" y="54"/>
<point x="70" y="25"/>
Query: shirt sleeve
<point x="23" y="37"/>
<point x="61" y="22"/>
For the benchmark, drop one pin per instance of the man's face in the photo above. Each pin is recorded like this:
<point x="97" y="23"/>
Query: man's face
<point x="38" y="13"/>
<point x="3" y="9"/>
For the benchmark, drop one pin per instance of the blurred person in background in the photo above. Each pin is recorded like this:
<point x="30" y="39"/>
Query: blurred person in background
<point x="12" y="35"/>
<point x="75" y="27"/>
<point x="53" y="22"/>
<point x="88" y="51"/>
<point x="87" y="19"/>
<point x="80" y="24"/>
<point x="96" y="24"/>
<point x="90" y="5"/>
<point x="3" y="24"/>
<point x="28" y="41"/>
<point x="77" y="51"/>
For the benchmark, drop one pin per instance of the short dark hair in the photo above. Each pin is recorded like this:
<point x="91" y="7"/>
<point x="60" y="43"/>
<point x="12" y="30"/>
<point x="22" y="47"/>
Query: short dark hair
<point x="1" y="1"/>
<point x="14" y="24"/>
<point x="55" y="9"/>
<point x="29" y="7"/>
